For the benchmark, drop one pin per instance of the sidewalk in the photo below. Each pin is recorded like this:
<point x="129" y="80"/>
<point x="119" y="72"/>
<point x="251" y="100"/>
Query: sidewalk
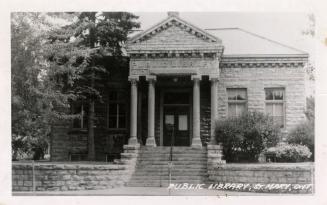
<point x="142" y="191"/>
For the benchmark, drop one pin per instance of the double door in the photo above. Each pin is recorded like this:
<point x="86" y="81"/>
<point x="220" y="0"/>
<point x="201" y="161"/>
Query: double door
<point x="176" y="126"/>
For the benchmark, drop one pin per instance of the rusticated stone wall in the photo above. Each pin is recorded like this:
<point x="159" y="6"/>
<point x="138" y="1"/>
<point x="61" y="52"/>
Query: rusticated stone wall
<point x="291" y="174"/>
<point x="63" y="177"/>
<point x="256" y="79"/>
<point x="205" y="112"/>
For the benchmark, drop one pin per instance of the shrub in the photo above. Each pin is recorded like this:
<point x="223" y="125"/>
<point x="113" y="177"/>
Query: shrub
<point x="303" y="134"/>
<point x="245" y="137"/>
<point x="27" y="147"/>
<point x="289" y="153"/>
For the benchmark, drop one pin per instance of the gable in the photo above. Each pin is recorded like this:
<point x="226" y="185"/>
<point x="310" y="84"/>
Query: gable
<point x="173" y="34"/>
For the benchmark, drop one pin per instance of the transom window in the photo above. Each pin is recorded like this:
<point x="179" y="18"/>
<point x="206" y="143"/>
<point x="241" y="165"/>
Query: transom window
<point x="237" y="101"/>
<point x="275" y="104"/>
<point x="116" y="110"/>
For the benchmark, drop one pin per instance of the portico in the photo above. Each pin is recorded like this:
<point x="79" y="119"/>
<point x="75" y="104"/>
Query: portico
<point x="173" y="49"/>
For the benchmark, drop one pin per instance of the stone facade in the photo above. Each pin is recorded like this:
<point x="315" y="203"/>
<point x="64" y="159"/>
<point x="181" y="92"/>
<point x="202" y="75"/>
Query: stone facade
<point x="255" y="78"/>
<point x="174" y="55"/>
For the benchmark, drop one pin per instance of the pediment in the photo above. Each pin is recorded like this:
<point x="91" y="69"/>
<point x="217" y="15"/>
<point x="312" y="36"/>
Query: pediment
<point x="173" y="34"/>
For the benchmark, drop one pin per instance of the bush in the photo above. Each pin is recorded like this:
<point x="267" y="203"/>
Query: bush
<point x="303" y="134"/>
<point x="27" y="147"/>
<point x="245" y="137"/>
<point x="289" y="153"/>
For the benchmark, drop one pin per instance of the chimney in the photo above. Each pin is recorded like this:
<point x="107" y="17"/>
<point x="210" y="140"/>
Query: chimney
<point x="173" y="13"/>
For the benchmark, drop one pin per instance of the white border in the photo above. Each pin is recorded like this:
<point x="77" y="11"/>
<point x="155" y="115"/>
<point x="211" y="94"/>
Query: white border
<point x="309" y="6"/>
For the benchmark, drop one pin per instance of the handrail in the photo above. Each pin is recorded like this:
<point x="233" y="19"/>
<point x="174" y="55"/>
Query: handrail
<point x="170" y="163"/>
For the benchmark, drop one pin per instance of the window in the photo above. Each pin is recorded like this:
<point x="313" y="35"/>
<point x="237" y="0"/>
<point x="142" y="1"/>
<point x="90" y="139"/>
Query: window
<point x="275" y="104"/>
<point x="237" y="101"/>
<point x="81" y="109"/>
<point x="116" y="111"/>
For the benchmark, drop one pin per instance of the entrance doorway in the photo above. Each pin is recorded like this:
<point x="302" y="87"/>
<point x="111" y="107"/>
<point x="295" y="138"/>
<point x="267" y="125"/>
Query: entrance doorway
<point x="176" y="119"/>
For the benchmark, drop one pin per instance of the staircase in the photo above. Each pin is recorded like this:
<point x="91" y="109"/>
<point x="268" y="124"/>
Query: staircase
<point x="189" y="165"/>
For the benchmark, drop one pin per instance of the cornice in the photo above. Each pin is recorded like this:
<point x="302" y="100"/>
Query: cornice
<point x="177" y="54"/>
<point x="265" y="61"/>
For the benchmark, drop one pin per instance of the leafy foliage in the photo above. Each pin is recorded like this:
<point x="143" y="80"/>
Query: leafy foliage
<point x="289" y="153"/>
<point x="245" y="137"/>
<point x="56" y="63"/>
<point x="33" y="97"/>
<point x="303" y="134"/>
<point x="77" y="55"/>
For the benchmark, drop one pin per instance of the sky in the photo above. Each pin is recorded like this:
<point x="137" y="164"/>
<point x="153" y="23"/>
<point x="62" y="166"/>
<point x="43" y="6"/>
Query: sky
<point x="285" y="28"/>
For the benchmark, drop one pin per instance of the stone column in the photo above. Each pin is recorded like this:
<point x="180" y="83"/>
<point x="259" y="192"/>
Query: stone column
<point x="214" y="106"/>
<point x="196" y="140"/>
<point x="133" y="129"/>
<point x="150" y="141"/>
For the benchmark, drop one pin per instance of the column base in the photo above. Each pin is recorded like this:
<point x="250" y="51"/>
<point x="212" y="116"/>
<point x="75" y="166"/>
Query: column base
<point x="196" y="142"/>
<point x="151" y="142"/>
<point x="133" y="141"/>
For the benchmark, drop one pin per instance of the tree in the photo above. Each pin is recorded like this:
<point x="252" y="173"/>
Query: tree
<point x="33" y="97"/>
<point x="78" y="50"/>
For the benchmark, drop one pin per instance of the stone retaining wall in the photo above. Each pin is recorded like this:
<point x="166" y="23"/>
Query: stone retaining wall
<point x="62" y="177"/>
<point x="295" y="174"/>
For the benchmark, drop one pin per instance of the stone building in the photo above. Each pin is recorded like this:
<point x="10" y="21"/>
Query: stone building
<point x="181" y="79"/>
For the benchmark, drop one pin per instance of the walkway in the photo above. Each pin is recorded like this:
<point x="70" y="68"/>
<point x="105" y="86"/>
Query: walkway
<point x="141" y="191"/>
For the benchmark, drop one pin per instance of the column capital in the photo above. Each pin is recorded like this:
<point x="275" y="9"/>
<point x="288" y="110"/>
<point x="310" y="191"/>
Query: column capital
<point x="196" y="77"/>
<point x="213" y="78"/>
<point x="151" y="78"/>
<point x="133" y="79"/>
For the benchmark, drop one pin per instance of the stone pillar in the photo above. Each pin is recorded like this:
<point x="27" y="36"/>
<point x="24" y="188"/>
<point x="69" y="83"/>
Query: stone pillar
<point x="196" y="140"/>
<point x="214" y="157"/>
<point x="150" y="141"/>
<point x="133" y="129"/>
<point x="214" y="106"/>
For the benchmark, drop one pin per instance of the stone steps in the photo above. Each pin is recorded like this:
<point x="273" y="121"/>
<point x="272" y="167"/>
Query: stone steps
<point x="162" y="183"/>
<point x="189" y="165"/>
<point x="175" y="174"/>
<point x="158" y="169"/>
<point x="149" y="155"/>
<point x="175" y="163"/>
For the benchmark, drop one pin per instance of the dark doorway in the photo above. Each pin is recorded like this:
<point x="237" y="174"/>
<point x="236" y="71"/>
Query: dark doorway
<point x="176" y="119"/>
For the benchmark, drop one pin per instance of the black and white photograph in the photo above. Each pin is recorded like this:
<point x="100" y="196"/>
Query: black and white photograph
<point x="104" y="105"/>
<point x="119" y="103"/>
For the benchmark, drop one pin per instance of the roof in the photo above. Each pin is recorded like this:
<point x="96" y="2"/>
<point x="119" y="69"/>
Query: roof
<point x="239" y="42"/>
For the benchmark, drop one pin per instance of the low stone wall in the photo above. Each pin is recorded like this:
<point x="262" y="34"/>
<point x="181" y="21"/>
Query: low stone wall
<point x="64" y="176"/>
<point x="272" y="177"/>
